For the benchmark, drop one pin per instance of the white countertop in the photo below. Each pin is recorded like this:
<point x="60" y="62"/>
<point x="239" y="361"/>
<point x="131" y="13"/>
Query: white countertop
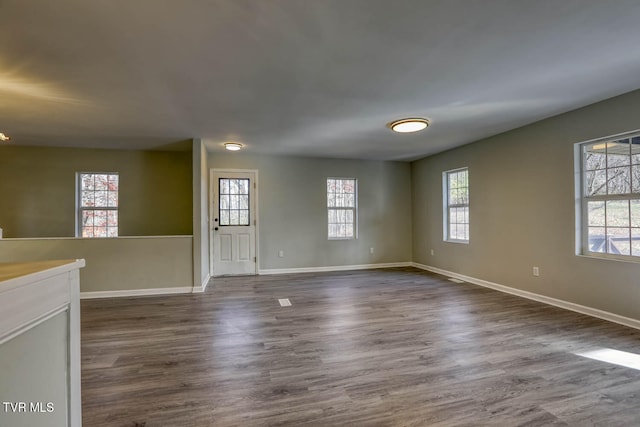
<point x="14" y="274"/>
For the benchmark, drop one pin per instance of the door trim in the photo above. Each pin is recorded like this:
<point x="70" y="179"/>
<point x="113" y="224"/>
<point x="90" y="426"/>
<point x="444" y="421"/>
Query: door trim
<point x="256" y="192"/>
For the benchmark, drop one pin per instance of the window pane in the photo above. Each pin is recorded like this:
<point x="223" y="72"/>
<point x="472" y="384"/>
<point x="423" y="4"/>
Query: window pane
<point x="462" y="215"/>
<point x="618" y="241"/>
<point x="86" y="181"/>
<point x="635" y="150"/>
<point x="350" y="200"/>
<point x="596" y="213"/>
<point x="224" y="202"/>
<point x="99" y="231"/>
<point x="100" y="198"/>
<point x="635" y="241"/>
<point x="87" y="199"/>
<point x="244" y="202"/>
<point x="87" y="218"/>
<point x="112" y="219"/>
<point x="597" y="239"/>
<point x="635" y="213"/>
<point x="331" y="200"/>
<point x="244" y="217"/>
<point x="618" y="153"/>
<point x="112" y="199"/>
<point x="595" y="182"/>
<point x="101" y="182"/>
<point x="224" y="217"/>
<point x="617" y="213"/>
<point x="234" y="217"/>
<point x="619" y="180"/>
<point x="233" y="186"/>
<point x="100" y="218"/>
<point x="349" y="230"/>
<point x="635" y="179"/>
<point x="224" y="186"/>
<point x="595" y="156"/>
<point x="113" y="183"/>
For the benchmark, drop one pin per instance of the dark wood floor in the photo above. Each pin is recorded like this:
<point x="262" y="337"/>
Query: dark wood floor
<point x="394" y="347"/>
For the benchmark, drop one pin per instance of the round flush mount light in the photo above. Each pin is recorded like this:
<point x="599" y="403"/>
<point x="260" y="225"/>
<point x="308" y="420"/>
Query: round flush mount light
<point x="409" y="125"/>
<point x="233" y="146"/>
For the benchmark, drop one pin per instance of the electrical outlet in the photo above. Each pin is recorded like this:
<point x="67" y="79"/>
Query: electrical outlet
<point x="536" y="271"/>
<point x="433" y="252"/>
<point x="281" y="254"/>
<point x="371" y="250"/>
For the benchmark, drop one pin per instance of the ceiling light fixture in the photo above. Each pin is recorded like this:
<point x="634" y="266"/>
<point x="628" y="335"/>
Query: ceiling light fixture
<point x="4" y="137"/>
<point x="409" y="125"/>
<point x="233" y="146"/>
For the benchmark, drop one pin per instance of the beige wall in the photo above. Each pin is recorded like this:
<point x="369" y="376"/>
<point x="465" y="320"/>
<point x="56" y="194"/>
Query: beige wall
<point x="522" y="208"/>
<point x="37" y="190"/>
<point x="126" y="263"/>
<point x="293" y="210"/>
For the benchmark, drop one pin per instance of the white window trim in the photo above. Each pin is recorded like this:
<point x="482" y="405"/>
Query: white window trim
<point x="582" y="221"/>
<point x="354" y="209"/>
<point x="80" y="209"/>
<point x="446" y="205"/>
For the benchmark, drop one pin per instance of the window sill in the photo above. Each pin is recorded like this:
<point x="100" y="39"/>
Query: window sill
<point x="634" y="260"/>
<point x="464" y="242"/>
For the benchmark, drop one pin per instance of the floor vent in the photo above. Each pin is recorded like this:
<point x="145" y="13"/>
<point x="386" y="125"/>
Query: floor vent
<point x="456" y="280"/>
<point x="284" y="302"/>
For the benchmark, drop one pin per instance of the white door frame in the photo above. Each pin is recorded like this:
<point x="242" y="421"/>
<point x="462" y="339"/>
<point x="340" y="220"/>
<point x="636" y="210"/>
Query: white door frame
<point x="212" y="187"/>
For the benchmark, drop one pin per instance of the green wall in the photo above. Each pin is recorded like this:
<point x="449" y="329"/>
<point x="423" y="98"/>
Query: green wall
<point x="293" y="210"/>
<point x="522" y="210"/>
<point x="38" y="190"/>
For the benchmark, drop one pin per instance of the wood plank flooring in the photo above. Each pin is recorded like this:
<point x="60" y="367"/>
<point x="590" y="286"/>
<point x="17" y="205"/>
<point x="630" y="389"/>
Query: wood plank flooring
<point x="392" y="347"/>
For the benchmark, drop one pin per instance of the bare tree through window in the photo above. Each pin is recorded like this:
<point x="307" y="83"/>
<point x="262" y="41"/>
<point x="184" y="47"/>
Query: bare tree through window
<point x="611" y="196"/>
<point x="98" y="204"/>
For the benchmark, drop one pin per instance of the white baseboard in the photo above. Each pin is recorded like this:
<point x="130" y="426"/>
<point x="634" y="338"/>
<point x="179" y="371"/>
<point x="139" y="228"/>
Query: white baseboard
<point x="136" y="292"/>
<point x="203" y="287"/>
<point x="333" y="268"/>
<point x="589" y="311"/>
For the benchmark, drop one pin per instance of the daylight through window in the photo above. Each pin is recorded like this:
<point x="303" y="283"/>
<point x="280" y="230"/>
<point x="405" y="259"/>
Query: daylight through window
<point x="341" y="204"/>
<point x="456" y="202"/>
<point x="234" y="201"/>
<point x="610" y="199"/>
<point x="98" y="204"/>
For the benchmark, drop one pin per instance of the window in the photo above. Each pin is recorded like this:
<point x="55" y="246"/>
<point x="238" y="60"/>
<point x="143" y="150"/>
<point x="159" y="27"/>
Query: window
<point x="610" y="197"/>
<point x="342" y="201"/>
<point x="97" y="205"/>
<point x="234" y="201"/>
<point x="456" y="203"/>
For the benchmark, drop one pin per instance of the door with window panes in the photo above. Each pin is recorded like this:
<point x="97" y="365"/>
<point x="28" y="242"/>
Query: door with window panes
<point x="233" y="223"/>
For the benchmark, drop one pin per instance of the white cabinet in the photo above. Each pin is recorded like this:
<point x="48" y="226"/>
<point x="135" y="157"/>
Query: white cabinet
<point x="40" y="344"/>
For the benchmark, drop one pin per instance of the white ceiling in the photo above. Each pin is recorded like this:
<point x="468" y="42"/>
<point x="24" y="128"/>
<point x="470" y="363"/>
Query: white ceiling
<point x="305" y="77"/>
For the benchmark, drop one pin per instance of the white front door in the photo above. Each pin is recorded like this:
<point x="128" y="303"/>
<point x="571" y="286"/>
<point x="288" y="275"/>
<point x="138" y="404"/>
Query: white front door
<point x="233" y="225"/>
